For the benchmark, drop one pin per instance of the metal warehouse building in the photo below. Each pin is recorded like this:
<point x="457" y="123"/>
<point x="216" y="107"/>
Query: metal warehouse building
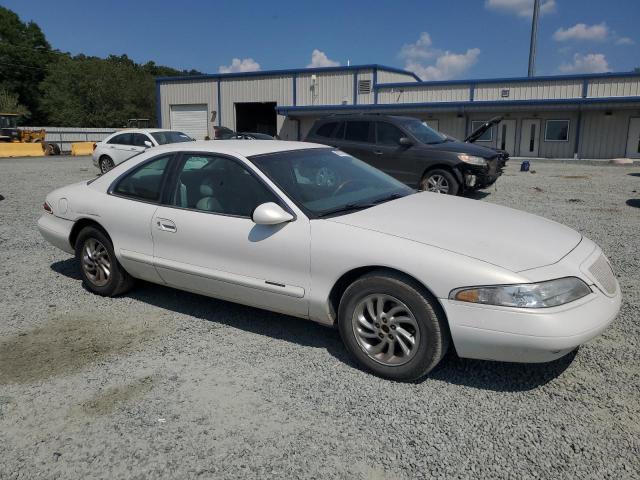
<point x="583" y="116"/>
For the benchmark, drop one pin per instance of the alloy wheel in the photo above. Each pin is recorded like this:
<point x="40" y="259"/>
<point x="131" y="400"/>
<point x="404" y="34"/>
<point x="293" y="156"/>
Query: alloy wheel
<point x="438" y="184"/>
<point x="106" y="164"/>
<point x="386" y="329"/>
<point x="96" y="263"/>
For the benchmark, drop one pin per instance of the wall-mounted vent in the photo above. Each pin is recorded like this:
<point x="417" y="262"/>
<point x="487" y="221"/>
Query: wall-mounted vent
<point x="364" y="87"/>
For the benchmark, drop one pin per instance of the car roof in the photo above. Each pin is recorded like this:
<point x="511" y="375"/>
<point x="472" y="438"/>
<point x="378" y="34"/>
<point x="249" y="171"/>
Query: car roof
<point x="144" y="130"/>
<point x="362" y="116"/>
<point x="243" y="148"/>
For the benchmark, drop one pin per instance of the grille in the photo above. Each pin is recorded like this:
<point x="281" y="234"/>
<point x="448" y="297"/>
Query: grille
<point x="364" y="86"/>
<point x="602" y="273"/>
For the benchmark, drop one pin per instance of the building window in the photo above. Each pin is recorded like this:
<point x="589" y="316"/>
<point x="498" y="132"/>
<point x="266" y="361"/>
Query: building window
<point x="486" y="136"/>
<point x="556" y="131"/>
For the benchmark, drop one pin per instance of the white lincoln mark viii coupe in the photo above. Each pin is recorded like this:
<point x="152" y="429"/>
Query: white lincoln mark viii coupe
<point x="310" y="231"/>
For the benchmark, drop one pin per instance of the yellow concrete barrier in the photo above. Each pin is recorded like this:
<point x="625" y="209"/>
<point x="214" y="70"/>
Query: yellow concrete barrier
<point x="82" y="148"/>
<point x="10" y="149"/>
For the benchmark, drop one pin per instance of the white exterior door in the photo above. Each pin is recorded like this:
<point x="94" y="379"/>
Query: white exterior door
<point x="190" y="119"/>
<point x="530" y="137"/>
<point x="507" y="136"/>
<point x="633" y="140"/>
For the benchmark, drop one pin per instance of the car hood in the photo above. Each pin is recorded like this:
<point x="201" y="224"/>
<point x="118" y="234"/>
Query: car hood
<point x="478" y="132"/>
<point x="498" y="235"/>
<point x="457" y="146"/>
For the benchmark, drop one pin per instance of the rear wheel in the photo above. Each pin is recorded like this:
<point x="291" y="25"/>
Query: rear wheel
<point x="106" y="164"/>
<point x="392" y="327"/>
<point x="100" y="270"/>
<point x="440" y="181"/>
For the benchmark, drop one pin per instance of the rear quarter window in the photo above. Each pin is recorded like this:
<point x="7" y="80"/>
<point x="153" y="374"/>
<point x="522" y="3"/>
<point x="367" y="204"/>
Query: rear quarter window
<point x="326" y="130"/>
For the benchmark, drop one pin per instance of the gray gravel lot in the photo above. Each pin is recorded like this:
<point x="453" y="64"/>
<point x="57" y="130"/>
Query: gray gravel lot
<point x="165" y="384"/>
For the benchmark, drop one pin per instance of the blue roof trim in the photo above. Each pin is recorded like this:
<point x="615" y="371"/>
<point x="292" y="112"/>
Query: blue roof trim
<point x="271" y="73"/>
<point x="505" y="103"/>
<point x="585" y="76"/>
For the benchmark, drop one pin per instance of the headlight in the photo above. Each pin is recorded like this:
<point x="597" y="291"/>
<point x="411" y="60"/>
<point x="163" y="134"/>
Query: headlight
<point x="527" y="295"/>
<point x="470" y="159"/>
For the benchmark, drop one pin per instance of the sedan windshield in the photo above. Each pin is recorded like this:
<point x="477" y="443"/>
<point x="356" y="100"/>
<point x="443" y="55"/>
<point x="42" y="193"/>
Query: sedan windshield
<point x="422" y="132"/>
<point x="327" y="182"/>
<point x="171" y="137"/>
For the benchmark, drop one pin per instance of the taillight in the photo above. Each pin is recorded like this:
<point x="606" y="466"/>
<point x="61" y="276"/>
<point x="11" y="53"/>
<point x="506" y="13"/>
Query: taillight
<point x="95" y="145"/>
<point x="47" y="207"/>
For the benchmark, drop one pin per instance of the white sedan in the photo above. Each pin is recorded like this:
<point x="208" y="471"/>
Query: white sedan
<point x="310" y="231"/>
<point x="124" y="144"/>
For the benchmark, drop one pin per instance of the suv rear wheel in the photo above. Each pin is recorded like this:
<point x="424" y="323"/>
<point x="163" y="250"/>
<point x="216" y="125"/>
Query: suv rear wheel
<point x="440" y="181"/>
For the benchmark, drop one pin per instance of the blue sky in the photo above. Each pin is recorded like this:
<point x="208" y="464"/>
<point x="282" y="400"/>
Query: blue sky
<point x="437" y="39"/>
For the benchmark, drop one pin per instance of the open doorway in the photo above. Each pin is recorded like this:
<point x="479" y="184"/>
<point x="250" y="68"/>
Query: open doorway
<point x="258" y="117"/>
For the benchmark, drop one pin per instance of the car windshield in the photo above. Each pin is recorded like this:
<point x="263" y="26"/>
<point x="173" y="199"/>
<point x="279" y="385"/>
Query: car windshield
<point x="327" y="182"/>
<point x="8" y="121"/>
<point x="422" y="132"/>
<point x="171" y="137"/>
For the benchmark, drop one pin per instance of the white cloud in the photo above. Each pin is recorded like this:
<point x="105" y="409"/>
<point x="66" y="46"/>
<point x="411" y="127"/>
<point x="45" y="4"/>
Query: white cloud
<point x="237" y="65"/>
<point x="447" y="64"/>
<point x="590" y="63"/>
<point x="320" y="59"/>
<point x="625" y="41"/>
<point x="580" y="31"/>
<point x="521" y="8"/>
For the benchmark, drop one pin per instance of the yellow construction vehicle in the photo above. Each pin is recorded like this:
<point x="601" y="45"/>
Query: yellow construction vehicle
<point x="11" y="134"/>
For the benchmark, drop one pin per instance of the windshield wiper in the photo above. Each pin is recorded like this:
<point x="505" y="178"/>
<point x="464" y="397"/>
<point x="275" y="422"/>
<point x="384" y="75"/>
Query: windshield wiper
<point x="387" y="198"/>
<point x="349" y="207"/>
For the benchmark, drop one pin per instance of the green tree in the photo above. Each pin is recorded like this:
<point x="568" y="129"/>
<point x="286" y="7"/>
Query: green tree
<point x="9" y="103"/>
<point x="24" y="55"/>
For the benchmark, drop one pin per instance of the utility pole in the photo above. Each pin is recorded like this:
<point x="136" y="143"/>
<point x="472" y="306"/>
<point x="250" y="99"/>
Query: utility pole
<point x="534" y="38"/>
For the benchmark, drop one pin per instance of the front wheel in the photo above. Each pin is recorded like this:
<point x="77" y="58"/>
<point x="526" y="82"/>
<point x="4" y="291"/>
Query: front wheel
<point x="100" y="270"/>
<point x="392" y="327"/>
<point x="440" y="181"/>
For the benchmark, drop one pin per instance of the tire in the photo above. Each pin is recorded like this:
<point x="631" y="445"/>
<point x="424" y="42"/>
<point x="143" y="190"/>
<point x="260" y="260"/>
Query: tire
<point x="440" y="181"/>
<point x="93" y="267"/>
<point x="416" y="313"/>
<point x="105" y="164"/>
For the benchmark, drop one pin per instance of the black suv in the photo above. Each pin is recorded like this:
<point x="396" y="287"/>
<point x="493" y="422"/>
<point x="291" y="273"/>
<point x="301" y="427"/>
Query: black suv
<point x="412" y="152"/>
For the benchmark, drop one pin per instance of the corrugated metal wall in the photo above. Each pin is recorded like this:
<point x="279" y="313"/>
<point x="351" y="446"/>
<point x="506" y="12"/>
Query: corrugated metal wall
<point x="364" y="99"/>
<point x="614" y="87"/>
<point x="604" y="136"/>
<point x="186" y="92"/>
<point x="421" y="94"/>
<point x="529" y="90"/>
<point x="385" y="76"/>
<point x="331" y="88"/>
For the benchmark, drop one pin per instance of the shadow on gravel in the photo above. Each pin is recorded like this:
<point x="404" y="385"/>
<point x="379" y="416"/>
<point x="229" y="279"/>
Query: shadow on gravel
<point x="499" y="376"/>
<point x="634" y="174"/>
<point x="633" y="202"/>
<point x="483" y="375"/>
<point x="476" y="195"/>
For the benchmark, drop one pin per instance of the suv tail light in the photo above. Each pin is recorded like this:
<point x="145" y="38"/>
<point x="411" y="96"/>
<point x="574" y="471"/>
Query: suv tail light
<point x="47" y="207"/>
<point x="95" y="145"/>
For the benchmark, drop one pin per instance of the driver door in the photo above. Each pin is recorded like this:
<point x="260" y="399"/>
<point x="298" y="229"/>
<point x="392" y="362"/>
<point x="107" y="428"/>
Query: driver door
<point x="206" y="242"/>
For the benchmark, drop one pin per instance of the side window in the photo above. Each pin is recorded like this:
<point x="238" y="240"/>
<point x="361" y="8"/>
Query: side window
<point x="219" y="185"/>
<point x="145" y="182"/>
<point x="357" y="131"/>
<point x="326" y="130"/>
<point x="388" y="134"/>
<point x="122" y="139"/>
<point x="340" y="132"/>
<point x="139" y="139"/>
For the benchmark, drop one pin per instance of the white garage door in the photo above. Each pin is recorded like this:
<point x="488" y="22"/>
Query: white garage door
<point x="190" y="119"/>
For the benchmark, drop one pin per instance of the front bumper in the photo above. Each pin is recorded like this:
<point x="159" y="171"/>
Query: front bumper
<point x="525" y="335"/>
<point x="476" y="177"/>
<point x="56" y="231"/>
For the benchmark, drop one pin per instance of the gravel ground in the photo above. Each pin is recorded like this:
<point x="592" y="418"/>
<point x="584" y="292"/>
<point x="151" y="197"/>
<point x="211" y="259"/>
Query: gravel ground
<point x="166" y="384"/>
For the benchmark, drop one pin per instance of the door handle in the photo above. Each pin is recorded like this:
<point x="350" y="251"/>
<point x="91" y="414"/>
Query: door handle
<point x="378" y="152"/>
<point x="166" y="225"/>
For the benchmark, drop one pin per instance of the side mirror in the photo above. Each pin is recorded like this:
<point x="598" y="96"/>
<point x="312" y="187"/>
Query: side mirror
<point x="270" y="214"/>
<point x="148" y="144"/>
<point x="405" y="142"/>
